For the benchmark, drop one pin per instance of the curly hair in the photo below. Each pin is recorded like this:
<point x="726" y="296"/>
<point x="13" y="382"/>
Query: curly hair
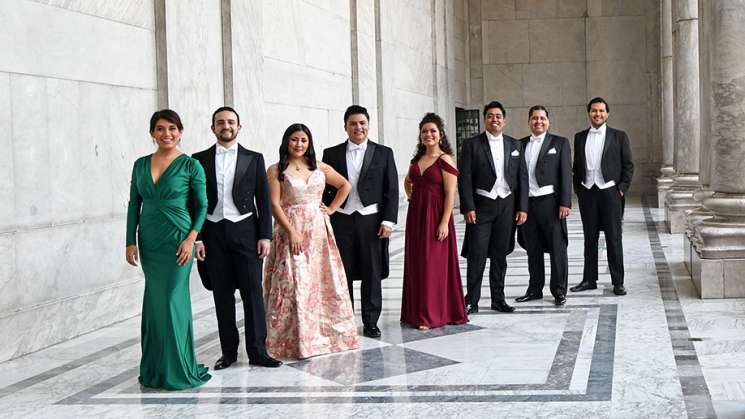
<point x="421" y="149"/>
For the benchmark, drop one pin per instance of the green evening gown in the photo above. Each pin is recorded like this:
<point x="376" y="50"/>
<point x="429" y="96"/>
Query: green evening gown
<point x="160" y="209"/>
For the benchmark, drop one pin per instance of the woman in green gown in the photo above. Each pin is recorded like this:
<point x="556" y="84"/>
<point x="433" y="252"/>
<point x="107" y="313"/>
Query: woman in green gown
<point x="162" y="184"/>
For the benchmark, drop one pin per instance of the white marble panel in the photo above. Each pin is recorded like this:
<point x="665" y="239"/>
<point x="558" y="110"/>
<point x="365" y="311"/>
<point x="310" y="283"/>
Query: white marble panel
<point x="280" y="116"/>
<point x="497" y="9"/>
<point x="75" y="46"/>
<point x="280" y="39"/>
<point x="556" y="40"/>
<point x="616" y="38"/>
<point x="286" y="83"/>
<point x="36" y="327"/>
<point x="95" y="147"/>
<point x="133" y="12"/>
<point x="69" y="194"/>
<point x="248" y="66"/>
<point x="407" y="23"/>
<point x="556" y="84"/>
<point x="620" y="81"/>
<point x="7" y="204"/>
<point x="340" y="8"/>
<point x="69" y="260"/>
<point x="30" y="150"/>
<point x="326" y="38"/>
<point x="195" y="73"/>
<point x="8" y="297"/>
<point x="412" y="70"/>
<point x="506" y="42"/>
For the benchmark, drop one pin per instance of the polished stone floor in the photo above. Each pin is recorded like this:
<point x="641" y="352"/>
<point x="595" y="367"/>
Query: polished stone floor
<point x="659" y="352"/>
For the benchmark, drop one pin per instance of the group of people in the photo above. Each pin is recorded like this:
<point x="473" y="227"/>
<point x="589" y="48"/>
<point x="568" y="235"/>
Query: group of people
<point x="333" y="219"/>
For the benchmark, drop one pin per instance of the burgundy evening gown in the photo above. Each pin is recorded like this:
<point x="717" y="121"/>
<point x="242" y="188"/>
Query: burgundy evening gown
<point x="432" y="292"/>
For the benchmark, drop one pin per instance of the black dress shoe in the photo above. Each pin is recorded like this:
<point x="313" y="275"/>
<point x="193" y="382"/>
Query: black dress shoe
<point x="582" y="286"/>
<point x="371" y="331"/>
<point x="265" y="361"/>
<point x="619" y="290"/>
<point x="502" y="306"/>
<point x="528" y="296"/>
<point x="472" y="308"/>
<point x="560" y="300"/>
<point x="224" y="362"/>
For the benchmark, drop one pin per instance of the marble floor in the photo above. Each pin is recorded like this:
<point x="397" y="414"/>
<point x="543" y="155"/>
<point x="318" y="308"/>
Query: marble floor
<point x="659" y="352"/>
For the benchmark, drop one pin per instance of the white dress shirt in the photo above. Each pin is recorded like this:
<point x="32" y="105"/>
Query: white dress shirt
<point x="500" y="188"/>
<point x="593" y="157"/>
<point x="355" y="158"/>
<point x="531" y="158"/>
<point x="225" y="161"/>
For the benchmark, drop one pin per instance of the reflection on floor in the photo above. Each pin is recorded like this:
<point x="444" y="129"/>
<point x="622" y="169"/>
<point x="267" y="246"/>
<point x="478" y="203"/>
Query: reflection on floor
<point x="657" y="352"/>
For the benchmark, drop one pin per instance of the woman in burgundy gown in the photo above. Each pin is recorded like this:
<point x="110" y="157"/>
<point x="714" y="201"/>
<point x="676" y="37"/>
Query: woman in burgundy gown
<point x="432" y="294"/>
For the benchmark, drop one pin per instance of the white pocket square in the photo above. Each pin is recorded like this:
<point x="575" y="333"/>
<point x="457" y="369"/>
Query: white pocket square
<point x="552" y="151"/>
<point x="515" y="153"/>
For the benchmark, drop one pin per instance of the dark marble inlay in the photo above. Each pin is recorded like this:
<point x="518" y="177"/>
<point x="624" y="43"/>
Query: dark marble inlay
<point x="599" y="380"/>
<point x="695" y="390"/>
<point x="371" y="364"/>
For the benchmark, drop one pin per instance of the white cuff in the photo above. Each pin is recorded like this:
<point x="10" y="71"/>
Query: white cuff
<point x="389" y="224"/>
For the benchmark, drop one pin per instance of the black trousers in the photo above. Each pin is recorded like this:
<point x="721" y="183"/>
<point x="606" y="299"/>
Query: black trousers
<point x="362" y="254"/>
<point x="489" y="237"/>
<point x="602" y="209"/>
<point x="232" y="263"/>
<point x="544" y="231"/>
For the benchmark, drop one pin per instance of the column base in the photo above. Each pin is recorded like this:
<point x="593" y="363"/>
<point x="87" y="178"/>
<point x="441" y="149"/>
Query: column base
<point x="679" y="200"/>
<point x="664" y="183"/>
<point x="718" y="278"/>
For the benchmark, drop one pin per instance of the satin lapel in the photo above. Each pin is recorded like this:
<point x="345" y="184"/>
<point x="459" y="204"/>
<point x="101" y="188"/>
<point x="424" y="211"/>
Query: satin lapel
<point x="241" y="165"/>
<point x="548" y="142"/>
<point x="507" y="155"/>
<point x="610" y="136"/>
<point x="209" y="166"/>
<point x="369" y="152"/>
<point x="484" y="141"/>
<point x="341" y="157"/>
<point x="581" y="147"/>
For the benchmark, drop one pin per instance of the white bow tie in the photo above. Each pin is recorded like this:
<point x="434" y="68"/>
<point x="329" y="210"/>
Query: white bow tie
<point x="355" y="147"/>
<point x="223" y="150"/>
<point x="532" y="138"/>
<point x="595" y="131"/>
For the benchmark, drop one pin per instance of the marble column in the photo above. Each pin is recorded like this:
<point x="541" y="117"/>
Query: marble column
<point x="719" y="252"/>
<point x="665" y="181"/>
<point x="686" y="107"/>
<point x="700" y="213"/>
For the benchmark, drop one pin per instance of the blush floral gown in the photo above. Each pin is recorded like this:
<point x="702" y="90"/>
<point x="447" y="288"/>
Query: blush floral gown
<point x="308" y="311"/>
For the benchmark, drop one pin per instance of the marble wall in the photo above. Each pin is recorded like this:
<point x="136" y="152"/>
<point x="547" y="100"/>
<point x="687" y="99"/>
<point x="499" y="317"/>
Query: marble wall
<point x="75" y="95"/>
<point x="561" y="54"/>
<point x="80" y="79"/>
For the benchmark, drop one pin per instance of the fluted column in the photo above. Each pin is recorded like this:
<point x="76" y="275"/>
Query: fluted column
<point x="704" y="35"/>
<point x="720" y="240"/>
<point x="665" y="181"/>
<point x="686" y="107"/>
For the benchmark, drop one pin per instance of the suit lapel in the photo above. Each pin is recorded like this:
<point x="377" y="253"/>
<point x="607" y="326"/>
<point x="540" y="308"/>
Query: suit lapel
<point x="341" y="158"/>
<point x="610" y="136"/>
<point x="209" y="166"/>
<point x="244" y="159"/>
<point x="547" y="143"/>
<point x="507" y="155"/>
<point x="369" y="152"/>
<point x="486" y="149"/>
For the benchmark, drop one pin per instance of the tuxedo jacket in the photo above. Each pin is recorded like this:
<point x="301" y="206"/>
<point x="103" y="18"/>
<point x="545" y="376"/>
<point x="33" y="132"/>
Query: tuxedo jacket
<point x="477" y="171"/>
<point x="615" y="164"/>
<point x="250" y="187"/>
<point x="378" y="181"/>
<point x="554" y="167"/>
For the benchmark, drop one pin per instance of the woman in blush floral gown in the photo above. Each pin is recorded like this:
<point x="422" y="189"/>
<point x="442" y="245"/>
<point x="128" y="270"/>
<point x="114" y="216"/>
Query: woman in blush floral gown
<point x="308" y="310"/>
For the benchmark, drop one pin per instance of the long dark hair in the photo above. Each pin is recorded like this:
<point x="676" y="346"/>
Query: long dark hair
<point x="421" y="149"/>
<point x="284" y="150"/>
<point x="168" y="115"/>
